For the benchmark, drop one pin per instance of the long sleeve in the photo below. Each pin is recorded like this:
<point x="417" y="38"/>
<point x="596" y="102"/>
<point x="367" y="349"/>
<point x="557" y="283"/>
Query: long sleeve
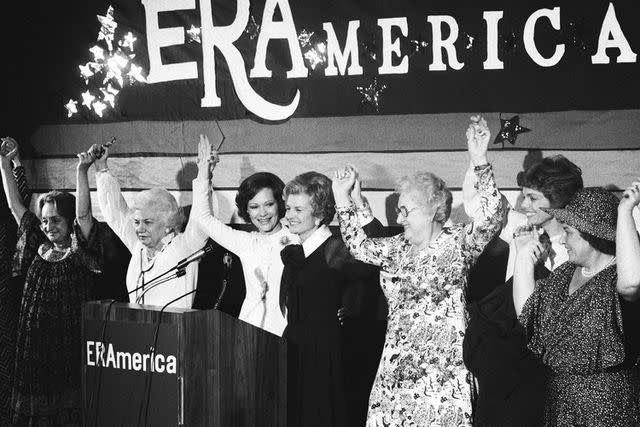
<point x="114" y="208"/>
<point x="487" y="220"/>
<point x="233" y="240"/>
<point x="372" y="251"/>
<point x="21" y="181"/>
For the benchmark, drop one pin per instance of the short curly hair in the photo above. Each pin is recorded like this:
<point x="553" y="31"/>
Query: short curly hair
<point x="160" y="200"/>
<point x="255" y="183"/>
<point x="65" y="204"/>
<point x="318" y="187"/>
<point x="432" y="193"/>
<point x="556" y="177"/>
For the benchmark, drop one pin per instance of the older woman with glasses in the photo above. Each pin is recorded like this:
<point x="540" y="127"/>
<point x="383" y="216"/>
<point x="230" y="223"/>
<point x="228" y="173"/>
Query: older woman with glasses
<point x="580" y="319"/>
<point x="421" y="378"/>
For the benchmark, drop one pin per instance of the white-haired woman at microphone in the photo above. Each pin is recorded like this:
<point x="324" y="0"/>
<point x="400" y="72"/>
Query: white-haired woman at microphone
<point x="150" y="230"/>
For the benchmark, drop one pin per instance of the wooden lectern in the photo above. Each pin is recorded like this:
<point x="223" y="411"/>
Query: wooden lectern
<point x="206" y="368"/>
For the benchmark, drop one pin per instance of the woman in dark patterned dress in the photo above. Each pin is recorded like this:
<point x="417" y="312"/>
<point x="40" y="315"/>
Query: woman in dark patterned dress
<point x="10" y="288"/>
<point x="60" y="259"/>
<point x="580" y="319"/>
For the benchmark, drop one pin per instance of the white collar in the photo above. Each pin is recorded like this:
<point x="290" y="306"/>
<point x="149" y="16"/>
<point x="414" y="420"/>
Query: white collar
<point x="314" y="241"/>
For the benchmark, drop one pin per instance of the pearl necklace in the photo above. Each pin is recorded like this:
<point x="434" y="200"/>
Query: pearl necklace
<point x="587" y="273"/>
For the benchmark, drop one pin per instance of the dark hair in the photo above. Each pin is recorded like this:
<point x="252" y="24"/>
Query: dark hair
<point x="65" y="204"/>
<point x="318" y="186"/>
<point x="252" y="185"/>
<point x="605" y="246"/>
<point x="556" y="177"/>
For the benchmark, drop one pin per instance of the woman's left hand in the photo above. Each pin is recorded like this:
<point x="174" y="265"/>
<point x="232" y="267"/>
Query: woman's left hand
<point x="85" y="160"/>
<point x="631" y="196"/>
<point x="478" y="136"/>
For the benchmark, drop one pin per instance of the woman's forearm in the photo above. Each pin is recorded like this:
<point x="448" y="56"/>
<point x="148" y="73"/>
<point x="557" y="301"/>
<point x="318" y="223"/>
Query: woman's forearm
<point x="14" y="200"/>
<point x="628" y="256"/>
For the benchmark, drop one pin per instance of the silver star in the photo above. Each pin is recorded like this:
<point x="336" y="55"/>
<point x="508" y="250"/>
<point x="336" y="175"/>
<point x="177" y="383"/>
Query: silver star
<point x="85" y="72"/>
<point x="87" y="99"/>
<point x="305" y="38"/>
<point x="371" y="94"/>
<point x="98" y="53"/>
<point x="136" y="73"/>
<point x="72" y="107"/>
<point x="99" y="107"/>
<point x="128" y="40"/>
<point x="107" y="27"/>
<point x="193" y="34"/>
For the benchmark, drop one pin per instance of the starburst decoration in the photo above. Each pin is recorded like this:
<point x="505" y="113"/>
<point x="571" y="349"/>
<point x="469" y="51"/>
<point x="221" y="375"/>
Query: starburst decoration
<point x="109" y="71"/>
<point x="371" y="94"/>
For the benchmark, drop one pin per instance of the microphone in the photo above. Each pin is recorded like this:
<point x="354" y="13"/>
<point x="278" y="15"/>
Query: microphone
<point x="179" y="266"/>
<point x="196" y="256"/>
<point x="226" y="279"/>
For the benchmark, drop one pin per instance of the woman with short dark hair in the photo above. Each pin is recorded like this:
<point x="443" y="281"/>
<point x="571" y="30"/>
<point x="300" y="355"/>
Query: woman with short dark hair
<point x="577" y="319"/>
<point x="259" y="202"/>
<point x="59" y="254"/>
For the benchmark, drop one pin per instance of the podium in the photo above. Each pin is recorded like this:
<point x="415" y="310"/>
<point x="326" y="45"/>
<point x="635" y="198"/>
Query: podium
<point x="206" y="368"/>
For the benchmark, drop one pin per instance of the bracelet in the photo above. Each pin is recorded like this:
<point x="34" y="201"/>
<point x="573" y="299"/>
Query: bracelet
<point x="481" y="167"/>
<point x="103" y="170"/>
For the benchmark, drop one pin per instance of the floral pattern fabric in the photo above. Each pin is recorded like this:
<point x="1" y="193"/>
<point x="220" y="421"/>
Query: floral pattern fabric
<point x="421" y="379"/>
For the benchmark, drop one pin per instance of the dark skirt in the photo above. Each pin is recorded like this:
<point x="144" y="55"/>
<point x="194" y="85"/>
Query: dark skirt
<point x="46" y="390"/>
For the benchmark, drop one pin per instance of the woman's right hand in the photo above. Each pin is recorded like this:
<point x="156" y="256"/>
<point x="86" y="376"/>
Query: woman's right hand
<point x="528" y="246"/>
<point x="7" y="157"/>
<point x="207" y="159"/>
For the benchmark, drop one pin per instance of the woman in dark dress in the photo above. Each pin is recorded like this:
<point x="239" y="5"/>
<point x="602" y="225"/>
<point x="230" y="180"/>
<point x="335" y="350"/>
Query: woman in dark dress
<point x="579" y="320"/>
<point x="60" y="259"/>
<point x="10" y="288"/>
<point x="314" y="278"/>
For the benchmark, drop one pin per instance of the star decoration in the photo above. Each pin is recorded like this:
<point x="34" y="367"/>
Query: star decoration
<point x="98" y="53"/>
<point x="107" y="27"/>
<point x="87" y="99"/>
<point x="371" y="94"/>
<point x="253" y="29"/>
<point x="99" y="107"/>
<point x="470" y="40"/>
<point x="108" y="97"/>
<point x="193" y="34"/>
<point x="369" y="48"/>
<point x="509" y="42"/>
<point x="509" y="130"/>
<point x="127" y="41"/>
<point x="305" y="38"/>
<point x="72" y="107"/>
<point x="86" y="72"/>
<point x="580" y="36"/>
<point x="135" y="73"/>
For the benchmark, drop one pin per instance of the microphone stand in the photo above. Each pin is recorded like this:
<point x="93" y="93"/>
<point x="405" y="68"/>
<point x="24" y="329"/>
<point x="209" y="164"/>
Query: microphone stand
<point x="225" y="280"/>
<point x="179" y="273"/>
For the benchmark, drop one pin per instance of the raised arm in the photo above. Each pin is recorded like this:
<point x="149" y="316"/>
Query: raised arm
<point x="234" y="240"/>
<point x="370" y="251"/>
<point x="628" y="245"/>
<point x="83" y="197"/>
<point x="529" y="251"/>
<point x="488" y="218"/>
<point x="112" y="205"/>
<point x="12" y="192"/>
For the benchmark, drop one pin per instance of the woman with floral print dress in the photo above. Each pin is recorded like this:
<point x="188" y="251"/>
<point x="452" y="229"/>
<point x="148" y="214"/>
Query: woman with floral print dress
<point x="421" y="379"/>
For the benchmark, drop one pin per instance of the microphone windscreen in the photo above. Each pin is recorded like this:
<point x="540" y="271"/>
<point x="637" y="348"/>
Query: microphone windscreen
<point x="226" y="260"/>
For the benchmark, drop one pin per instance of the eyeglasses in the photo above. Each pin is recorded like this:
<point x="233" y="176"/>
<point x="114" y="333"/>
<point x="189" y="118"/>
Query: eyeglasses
<point x="402" y="210"/>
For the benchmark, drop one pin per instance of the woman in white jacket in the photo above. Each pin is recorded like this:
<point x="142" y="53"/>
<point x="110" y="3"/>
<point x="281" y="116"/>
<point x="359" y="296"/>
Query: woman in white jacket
<point x="259" y="201"/>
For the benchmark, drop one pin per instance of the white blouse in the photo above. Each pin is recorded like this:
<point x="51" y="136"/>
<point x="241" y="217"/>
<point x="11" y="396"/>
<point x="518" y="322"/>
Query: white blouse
<point x="142" y="268"/>
<point x="260" y="257"/>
